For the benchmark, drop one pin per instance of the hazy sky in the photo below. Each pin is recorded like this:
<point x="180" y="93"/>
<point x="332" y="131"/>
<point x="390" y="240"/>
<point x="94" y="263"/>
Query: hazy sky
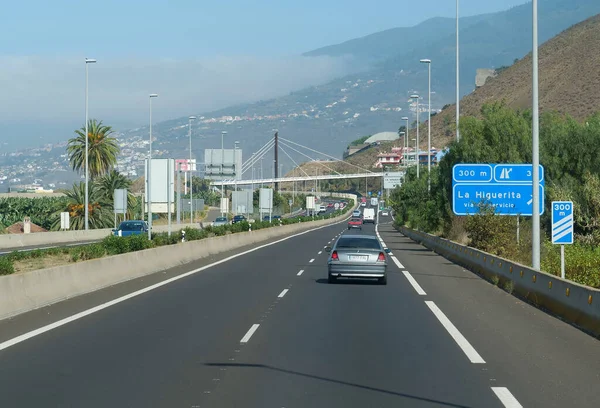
<point x="198" y="55"/>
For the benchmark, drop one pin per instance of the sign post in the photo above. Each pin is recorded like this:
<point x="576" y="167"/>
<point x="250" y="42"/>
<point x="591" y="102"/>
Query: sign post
<point x="562" y="228"/>
<point x="506" y="187"/>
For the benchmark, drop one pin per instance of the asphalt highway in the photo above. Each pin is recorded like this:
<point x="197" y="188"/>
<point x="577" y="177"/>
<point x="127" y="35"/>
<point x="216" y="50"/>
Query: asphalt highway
<point x="265" y="329"/>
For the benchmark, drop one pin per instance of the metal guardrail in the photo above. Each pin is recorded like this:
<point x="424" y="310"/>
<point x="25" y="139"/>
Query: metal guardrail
<point x="574" y="303"/>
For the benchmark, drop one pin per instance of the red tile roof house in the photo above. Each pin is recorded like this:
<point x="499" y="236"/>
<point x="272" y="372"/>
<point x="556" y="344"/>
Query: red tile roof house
<point x="17" y="228"/>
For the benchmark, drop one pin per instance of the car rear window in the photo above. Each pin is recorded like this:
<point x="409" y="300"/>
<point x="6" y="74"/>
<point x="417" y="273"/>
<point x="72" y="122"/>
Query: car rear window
<point x="358" y="242"/>
<point x="131" y="226"/>
<point x="221" y="219"/>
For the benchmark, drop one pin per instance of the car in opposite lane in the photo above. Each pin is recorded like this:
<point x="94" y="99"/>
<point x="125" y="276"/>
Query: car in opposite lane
<point x="357" y="256"/>
<point x="238" y="218"/>
<point x="220" y="221"/>
<point x="131" y="227"/>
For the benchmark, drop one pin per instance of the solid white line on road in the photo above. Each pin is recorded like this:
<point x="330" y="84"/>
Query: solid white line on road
<point x="320" y="252"/>
<point x="282" y="294"/>
<point x="413" y="283"/>
<point x="80" y="315"/>
<point x="397" y="262"/>
<point x="505" y="396"/>
<point x="462" y="342"/>
<point x="312" y="260"/>
<point x="301" y="272"/>
<point x="250" y="333"/>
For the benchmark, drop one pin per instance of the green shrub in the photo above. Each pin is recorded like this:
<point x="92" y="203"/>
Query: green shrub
<point x="92" y="251"/>
<point x="116" y="245"/>
<point x="139" y="242"/>
<point x="6" y="266"/>
<point x="582" y="263"/>
<point x="492" y="233"/>
<point x="163" y="239"/>
<point x="193" y="234"/>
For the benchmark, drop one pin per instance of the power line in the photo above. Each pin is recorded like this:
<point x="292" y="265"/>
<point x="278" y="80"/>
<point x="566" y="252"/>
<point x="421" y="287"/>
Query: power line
<point x="324" y="154"/>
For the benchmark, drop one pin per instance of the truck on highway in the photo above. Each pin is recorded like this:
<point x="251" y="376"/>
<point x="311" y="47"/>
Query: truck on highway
<point x="374" y="201"/>
<point x="369" y="215"/>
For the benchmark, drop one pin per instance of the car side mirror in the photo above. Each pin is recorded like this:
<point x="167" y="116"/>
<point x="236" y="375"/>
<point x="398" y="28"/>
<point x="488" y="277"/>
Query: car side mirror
<point x="327" y="249"/>
<point x="387" y="250"/>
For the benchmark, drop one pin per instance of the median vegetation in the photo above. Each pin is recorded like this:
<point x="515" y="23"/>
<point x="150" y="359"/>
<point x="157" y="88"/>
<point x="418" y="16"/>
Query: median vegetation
<point x="38" y="259"/>
<point x="569" y="152"/>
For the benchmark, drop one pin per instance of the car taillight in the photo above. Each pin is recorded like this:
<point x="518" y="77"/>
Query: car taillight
<point x="381" y="257"/>
<point x="334" y="256"/>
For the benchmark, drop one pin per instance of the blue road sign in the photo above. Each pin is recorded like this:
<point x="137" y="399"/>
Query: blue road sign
<point x="515" y="173"/>
<point x="562" y="222"/>
<point x="514" y="199"/>
<point x="370" y="193"/>
<point x="507" y="187"/>
<point x="472" y="173"/>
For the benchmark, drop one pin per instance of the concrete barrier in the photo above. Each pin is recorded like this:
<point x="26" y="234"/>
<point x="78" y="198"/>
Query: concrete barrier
<point x="20" y="293"/>
<point x="574" y="303"/>
<point x="53" y="237"/>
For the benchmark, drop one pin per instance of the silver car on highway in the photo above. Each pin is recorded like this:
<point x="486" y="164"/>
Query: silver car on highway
<point x="357" y="256"/>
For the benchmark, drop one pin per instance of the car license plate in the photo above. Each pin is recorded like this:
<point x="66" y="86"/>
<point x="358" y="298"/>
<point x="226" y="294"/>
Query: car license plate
<point x="358" y="258"/>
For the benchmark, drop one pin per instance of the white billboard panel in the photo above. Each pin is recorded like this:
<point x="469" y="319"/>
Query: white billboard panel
<point x="163" y="185"/>
<point x="223" y="164"/>
<point x="265" y="202"/>
<point x="120" y="201"/>
<point x="224" y="205"/>
<point x="185" y="164"/>
<point x="65" y="220"/>
<point x="241" y="202"/>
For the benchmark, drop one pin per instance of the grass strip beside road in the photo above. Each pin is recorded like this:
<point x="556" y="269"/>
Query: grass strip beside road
<point x="24" y="261"/>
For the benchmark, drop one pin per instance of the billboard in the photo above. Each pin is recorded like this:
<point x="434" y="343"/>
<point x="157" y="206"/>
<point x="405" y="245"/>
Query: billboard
<point x="120" y="201"/>
<point x="185" y="165"/>
<point x="241" y="202"/>
<point x="162" y="189"/>
<point x="265" y="203"/>
<point x="223" y="164"/>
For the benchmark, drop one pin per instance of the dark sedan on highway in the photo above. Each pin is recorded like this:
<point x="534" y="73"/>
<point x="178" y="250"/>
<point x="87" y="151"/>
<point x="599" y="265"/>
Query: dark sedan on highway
<point x="238" y="218"/>
<point x="357" y="256"/>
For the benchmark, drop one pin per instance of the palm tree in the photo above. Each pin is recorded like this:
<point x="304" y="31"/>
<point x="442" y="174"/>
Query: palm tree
<point x="100" y="213"/>
<point x="111" y="181"/>
<point x="102" y="149"/>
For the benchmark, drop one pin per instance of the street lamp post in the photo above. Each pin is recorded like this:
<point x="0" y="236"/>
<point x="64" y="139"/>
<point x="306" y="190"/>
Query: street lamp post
<point x="535" y="239"/>
<point x="416" y="98"/>
<point x="190" y="170"/>
<point x="416" y="146"/>
<point x="148" y="185"/>
<point x="87" y="167"/>
<point x="405" y="118"/>
<point x="457" y="78"/>
<point x="235" y="147"/>
<point x="428" y="62"/>
<point x="223" y="133"/>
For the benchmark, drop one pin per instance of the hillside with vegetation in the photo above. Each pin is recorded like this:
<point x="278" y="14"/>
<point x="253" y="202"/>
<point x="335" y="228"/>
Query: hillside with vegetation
<point x="569" y="81"/>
